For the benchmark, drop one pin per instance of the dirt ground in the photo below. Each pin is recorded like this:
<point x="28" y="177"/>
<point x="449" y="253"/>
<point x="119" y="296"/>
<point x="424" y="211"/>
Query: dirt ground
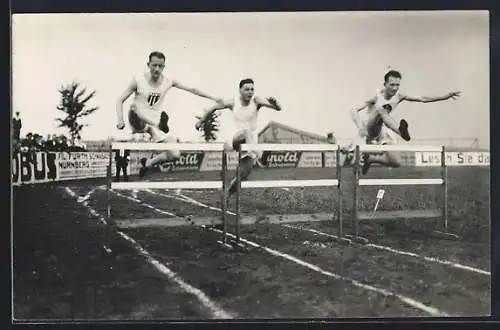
<point x="69" y="265"/>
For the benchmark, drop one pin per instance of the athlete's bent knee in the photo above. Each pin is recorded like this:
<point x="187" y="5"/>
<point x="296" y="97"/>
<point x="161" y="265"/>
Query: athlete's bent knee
<point x="238" y="140"/>
<point x="137" y="123"/>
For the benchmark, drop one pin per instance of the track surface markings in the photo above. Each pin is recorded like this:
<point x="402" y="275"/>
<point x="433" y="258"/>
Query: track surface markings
<point x="216" y="311"/>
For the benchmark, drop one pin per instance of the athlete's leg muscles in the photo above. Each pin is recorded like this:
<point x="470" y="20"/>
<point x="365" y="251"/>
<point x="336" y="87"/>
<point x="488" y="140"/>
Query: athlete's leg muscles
<point x="400" y="129"/>
<point x="246" y="162"/>
<point x="168" y="155"/>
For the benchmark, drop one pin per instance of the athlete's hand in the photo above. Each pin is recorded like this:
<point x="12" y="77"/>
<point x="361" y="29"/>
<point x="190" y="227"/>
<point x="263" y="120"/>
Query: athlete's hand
<point x="120" y="125"/>
<point x="199" y="123"/>
<point x="274" y="103"/>
<point x="454" y="95"/>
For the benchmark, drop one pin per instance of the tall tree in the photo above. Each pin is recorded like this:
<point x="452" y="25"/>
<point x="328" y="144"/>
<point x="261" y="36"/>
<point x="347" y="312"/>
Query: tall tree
<point x="74" y="105"/>
<point x="210" y="127"/>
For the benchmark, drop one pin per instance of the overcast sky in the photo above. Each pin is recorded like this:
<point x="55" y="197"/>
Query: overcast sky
<point x="318" y="65"/>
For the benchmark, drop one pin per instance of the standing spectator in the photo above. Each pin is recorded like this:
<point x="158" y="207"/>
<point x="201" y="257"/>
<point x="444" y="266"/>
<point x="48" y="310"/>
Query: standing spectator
<point x="37" y="142"/>
<point x="50" y="144"/>
<point x="17" y="125"/>
<point x="122" y="158"/>
<point x="330" y="138"/>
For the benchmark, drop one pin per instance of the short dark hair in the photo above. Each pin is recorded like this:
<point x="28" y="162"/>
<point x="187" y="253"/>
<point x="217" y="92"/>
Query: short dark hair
<point x="392" y="73"/>
<point x="246" y="81"/>
<point x="160" y="55"/>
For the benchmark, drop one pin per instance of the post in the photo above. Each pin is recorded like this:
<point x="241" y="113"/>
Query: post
<point x="339" y="192"/>
<point x="224" y="196"/>
<point x="355" y="192"/>
<point x="109" y="182"/>
<point x="238" y="191"/>
<point x="444" y="176"/>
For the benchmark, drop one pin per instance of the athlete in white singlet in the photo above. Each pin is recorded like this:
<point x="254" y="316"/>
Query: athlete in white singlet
<point x="378" y="109"/>
<point x="245" y="108"/>
<point x="146" y="113"/>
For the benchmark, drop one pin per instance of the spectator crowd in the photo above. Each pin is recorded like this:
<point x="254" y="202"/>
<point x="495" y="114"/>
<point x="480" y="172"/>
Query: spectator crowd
<point x="33" y="142"/>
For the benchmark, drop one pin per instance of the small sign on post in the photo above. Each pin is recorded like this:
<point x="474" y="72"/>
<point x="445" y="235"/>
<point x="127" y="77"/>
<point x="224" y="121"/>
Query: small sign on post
<point x="380" y="195"/>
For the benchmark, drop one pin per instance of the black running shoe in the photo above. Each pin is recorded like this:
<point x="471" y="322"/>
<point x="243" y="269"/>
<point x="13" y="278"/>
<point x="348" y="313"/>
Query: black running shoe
<point x="163" y="126"/>
<point x="143" y="169"/>
<point x="366" y="164"/>
<point x="403" y="129"/>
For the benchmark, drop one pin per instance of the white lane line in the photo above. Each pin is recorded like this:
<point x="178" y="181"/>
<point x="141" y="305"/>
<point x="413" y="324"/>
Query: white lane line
<point x="374" y="246"/>
<point x="406" y="300"/>
<point x="405" y="253"/>
<point x="216" y="311"/>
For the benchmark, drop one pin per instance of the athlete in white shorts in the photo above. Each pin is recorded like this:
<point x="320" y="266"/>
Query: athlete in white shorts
<point x="146" y="114"/>
<point x="378" y="108"/>
<point x="245" y="108"/>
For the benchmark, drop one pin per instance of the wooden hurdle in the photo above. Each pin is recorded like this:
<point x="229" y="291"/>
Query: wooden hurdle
<point x="442" y="213"/>
<point x="174" y="221"/>
<point x="337" y="183"/>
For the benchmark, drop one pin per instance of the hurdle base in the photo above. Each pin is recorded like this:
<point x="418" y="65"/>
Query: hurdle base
<point x="225" y="245"/>
<point x="168" y="222"/>
<point x="445" y="235"/>
<point x="358" y="239"/>
<point x="341" y="240"/>
<point x="211" y="220"/>
<point x="399" y="214"/>
<point x="236" y="245"/>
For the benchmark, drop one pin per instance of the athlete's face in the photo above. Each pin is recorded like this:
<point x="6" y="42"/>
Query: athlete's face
<point x="392" y="85"/>
<point x="247" y="91"/>
<point x="156" y="66"/>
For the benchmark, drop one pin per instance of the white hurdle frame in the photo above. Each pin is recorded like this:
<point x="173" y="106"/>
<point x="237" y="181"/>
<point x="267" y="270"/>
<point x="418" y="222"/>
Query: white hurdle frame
<point x="443" y="182"/>
<point x="291" y="183"/>
<point x="142" y="146"/>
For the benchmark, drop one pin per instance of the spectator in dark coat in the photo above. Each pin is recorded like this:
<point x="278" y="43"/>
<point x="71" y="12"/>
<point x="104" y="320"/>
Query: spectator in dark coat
<point x="16" y="126"/>
<point x="122" y="158"/>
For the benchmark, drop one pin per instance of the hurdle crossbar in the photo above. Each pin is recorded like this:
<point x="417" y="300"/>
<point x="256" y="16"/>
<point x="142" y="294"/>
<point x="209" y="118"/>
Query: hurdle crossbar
<point x="147" y="146"/>
<point x="166" y="185"/>
<point x="290" y="147"/>
<point x="398" y="147"/>
<point x="289" y="183"/>
<point x="399" y="182"/>
<point x="436" y="213"/>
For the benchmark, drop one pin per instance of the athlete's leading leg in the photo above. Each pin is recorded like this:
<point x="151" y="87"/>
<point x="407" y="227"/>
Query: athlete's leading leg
<point x="247" y="161"/>
<point x="168" y="155"/>
<point x="385" y="158"/>
<point x="401" y="129"/>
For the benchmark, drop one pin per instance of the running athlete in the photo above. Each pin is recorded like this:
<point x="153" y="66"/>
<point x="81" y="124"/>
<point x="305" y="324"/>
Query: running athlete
<point x="245" y="108"/>
<point x="379" y="108"/>
<point x="146" y="114"/>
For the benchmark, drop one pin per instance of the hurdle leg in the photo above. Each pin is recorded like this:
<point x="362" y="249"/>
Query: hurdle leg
<point x="236" y="243"/>
<point x="356" y="238"/>
<point x="444" y="199"/>
<point x="223" y="242"/>
<point x="108" y="185"/>
<point x="340" y="234"/>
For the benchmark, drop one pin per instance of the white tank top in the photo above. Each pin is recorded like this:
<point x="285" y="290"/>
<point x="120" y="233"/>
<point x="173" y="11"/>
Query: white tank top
<point x="381" y="101"/>
<point x="148" y="96"/>
<point x="245" y="116"/>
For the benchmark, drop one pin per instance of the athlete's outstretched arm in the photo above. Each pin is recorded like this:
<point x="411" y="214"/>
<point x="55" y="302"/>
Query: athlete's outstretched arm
<point x="355" y="115"/>
<point x="223" y="104"/>
<point x="269" y="102"/>
<point x="195" y="91"/>
<point x="428" y="99"/>
<point x="131" y="88"/>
